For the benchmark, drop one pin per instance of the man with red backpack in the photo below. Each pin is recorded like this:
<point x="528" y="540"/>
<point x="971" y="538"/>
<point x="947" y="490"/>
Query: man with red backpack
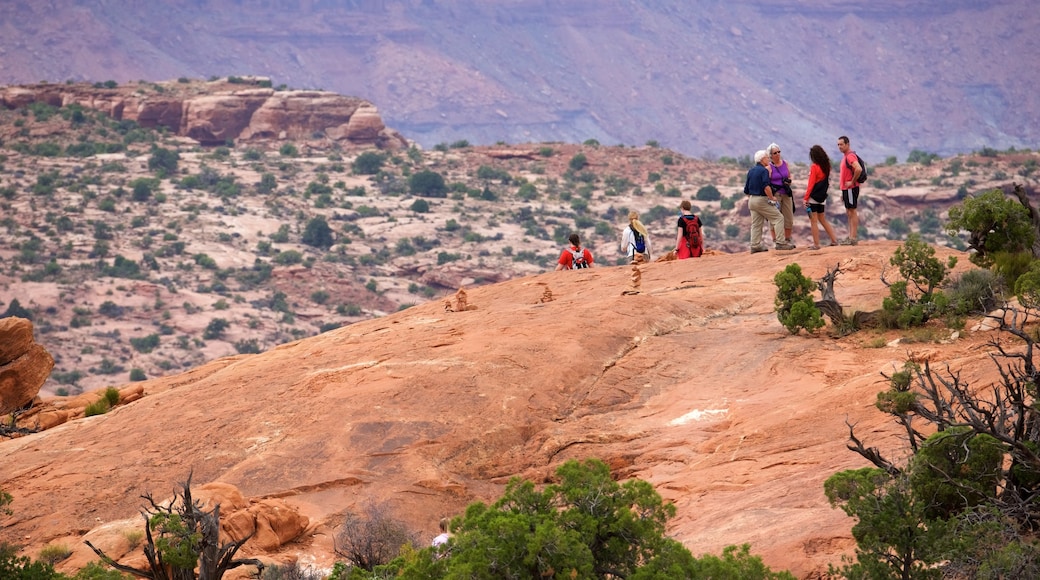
<point x="575" y="257"/>
<point x="688" y="240"/>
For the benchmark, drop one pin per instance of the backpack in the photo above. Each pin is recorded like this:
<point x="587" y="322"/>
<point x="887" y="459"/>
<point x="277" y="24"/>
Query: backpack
<point x="638" y="241"/>
<point x="578" y="259"/>
<point x="863" y="166"/>
<point x="692" y="235"/>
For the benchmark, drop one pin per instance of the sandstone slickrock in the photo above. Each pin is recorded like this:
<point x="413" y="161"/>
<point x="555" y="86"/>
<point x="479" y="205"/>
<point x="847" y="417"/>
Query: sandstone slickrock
<point x="692" y="385"/>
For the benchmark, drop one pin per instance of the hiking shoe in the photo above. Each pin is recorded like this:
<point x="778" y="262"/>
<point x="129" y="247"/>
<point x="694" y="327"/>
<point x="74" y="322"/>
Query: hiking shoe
<point x="848" y="242"/>
<point x="784" y="246"/>
<point x="814" y="247"/>
<point x="757" y="249"/>
<point x="834" y="243"/>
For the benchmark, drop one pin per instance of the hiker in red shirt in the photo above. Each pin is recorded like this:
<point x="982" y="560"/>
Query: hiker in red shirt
<point x="850" y="170"/>
<point x="574" y="257"/>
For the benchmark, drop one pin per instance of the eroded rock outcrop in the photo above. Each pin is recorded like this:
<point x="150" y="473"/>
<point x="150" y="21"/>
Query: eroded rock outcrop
<point x="24" y="364"/>
<point x="218" y="112"/>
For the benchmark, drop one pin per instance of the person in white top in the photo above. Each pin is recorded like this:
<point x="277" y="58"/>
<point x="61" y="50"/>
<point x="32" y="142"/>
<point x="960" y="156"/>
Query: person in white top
<point x="442" y="538"/>
<point x="633" y="236"/>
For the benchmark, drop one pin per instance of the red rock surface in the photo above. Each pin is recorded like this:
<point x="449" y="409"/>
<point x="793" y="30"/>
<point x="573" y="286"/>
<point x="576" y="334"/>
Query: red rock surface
<point x="691" y="384"/>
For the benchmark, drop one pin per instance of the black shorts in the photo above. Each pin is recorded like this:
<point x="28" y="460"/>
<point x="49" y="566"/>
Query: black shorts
<point x="816" y="207"/>
<point x="850" y="197"/>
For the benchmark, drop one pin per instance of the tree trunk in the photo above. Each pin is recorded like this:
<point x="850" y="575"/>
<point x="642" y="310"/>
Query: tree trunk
<point x="1034" y="216"/>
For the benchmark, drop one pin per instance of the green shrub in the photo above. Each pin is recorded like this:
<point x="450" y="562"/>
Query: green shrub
<point x="99" y="407"/>
<point x="247" y="346"/>
<point x="318" y="234"/>
<point x="956" y="470"/>
<point x="54" y="553"/>
<point x="215" y="329"/>
<point x="584" y="525"/>
<point x="100" y="571"/>
<point x="708" y="193"/>
<point x="427" y="184"/>
<point x="975" y="291"/>
<point x="915" y="299"/>
<point x="578" y="162"/>
<point x="795" y="307"/>
<point x="420" y="206"/>
<point x="288" y="258"/>
<point x="145" y="344"/>
<point x="1027" y="287"/>
<point x="163" y="161"/>
<point x="137" y="374"/>
<point x="15" y="567"/>
<point x="995" y="223"/>
<point x="288" y="150"/>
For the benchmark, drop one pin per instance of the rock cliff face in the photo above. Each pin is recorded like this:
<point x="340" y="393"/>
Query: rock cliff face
<point x="24" y="364"/>
<point x="221" y="112"/>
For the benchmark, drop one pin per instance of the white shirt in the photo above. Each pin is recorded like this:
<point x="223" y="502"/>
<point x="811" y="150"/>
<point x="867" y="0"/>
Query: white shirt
<point x="628" y="241"/>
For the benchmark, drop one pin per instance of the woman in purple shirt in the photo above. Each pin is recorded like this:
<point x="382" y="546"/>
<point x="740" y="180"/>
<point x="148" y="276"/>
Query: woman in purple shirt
<point x="780" y="181"/>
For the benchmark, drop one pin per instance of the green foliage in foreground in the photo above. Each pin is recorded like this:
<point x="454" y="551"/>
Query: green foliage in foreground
<point x="963" y="505"/>
<point x="15" y="567"/>
<point x="585" y="526"/>
<point x="794" y="303"/>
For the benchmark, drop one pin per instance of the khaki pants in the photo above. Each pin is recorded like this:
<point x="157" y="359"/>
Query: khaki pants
<point x="762" y="210"/>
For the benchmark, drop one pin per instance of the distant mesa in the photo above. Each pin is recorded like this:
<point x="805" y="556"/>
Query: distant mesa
<point x="219" y="112"/>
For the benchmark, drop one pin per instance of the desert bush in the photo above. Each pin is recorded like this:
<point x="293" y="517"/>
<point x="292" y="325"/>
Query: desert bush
<point x="427" y="184"/>
<point x="145" y="344"/>
<point x="795" y="307"/>
<point x="247" y="346"/>
<point x="368" y="163"/>
<point x="915" y="299"/>
<point x="288" y="258"/>
<point x="15" y="567"/>
<point x="137" y="374"/>
<point x="99" y="407"/>
<point x="291" y="572"/>
<point x="163" y="161"/>
<point x="975" y="291"/>
<point x="373" y="537"/>
<point x="584" y="525"/>
<point x="995" y="223"/>
<point x="98" y="571"/>
<point x="708" y="193"/>
<point x="578" y="162"/>
<point x="215" y="329"/>
<point x="54" y="553"/>
<point x="318" y="234"/>
<point x="1011" y="265"/>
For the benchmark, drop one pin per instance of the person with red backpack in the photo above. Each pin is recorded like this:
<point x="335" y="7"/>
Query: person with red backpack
<point x="688" y="240"/>
<point x="575" y="257"/>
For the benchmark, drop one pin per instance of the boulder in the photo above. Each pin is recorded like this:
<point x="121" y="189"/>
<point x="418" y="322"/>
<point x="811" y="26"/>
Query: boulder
<point x="24" y="364"/>
<point x="277" y="523"/>
<point x="16" y="336"/>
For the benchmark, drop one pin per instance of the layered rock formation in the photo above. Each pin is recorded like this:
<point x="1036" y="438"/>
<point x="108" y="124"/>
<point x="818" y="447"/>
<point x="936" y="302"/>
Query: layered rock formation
<point x="24" y="364"/>
<point x="220" y="112"/>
